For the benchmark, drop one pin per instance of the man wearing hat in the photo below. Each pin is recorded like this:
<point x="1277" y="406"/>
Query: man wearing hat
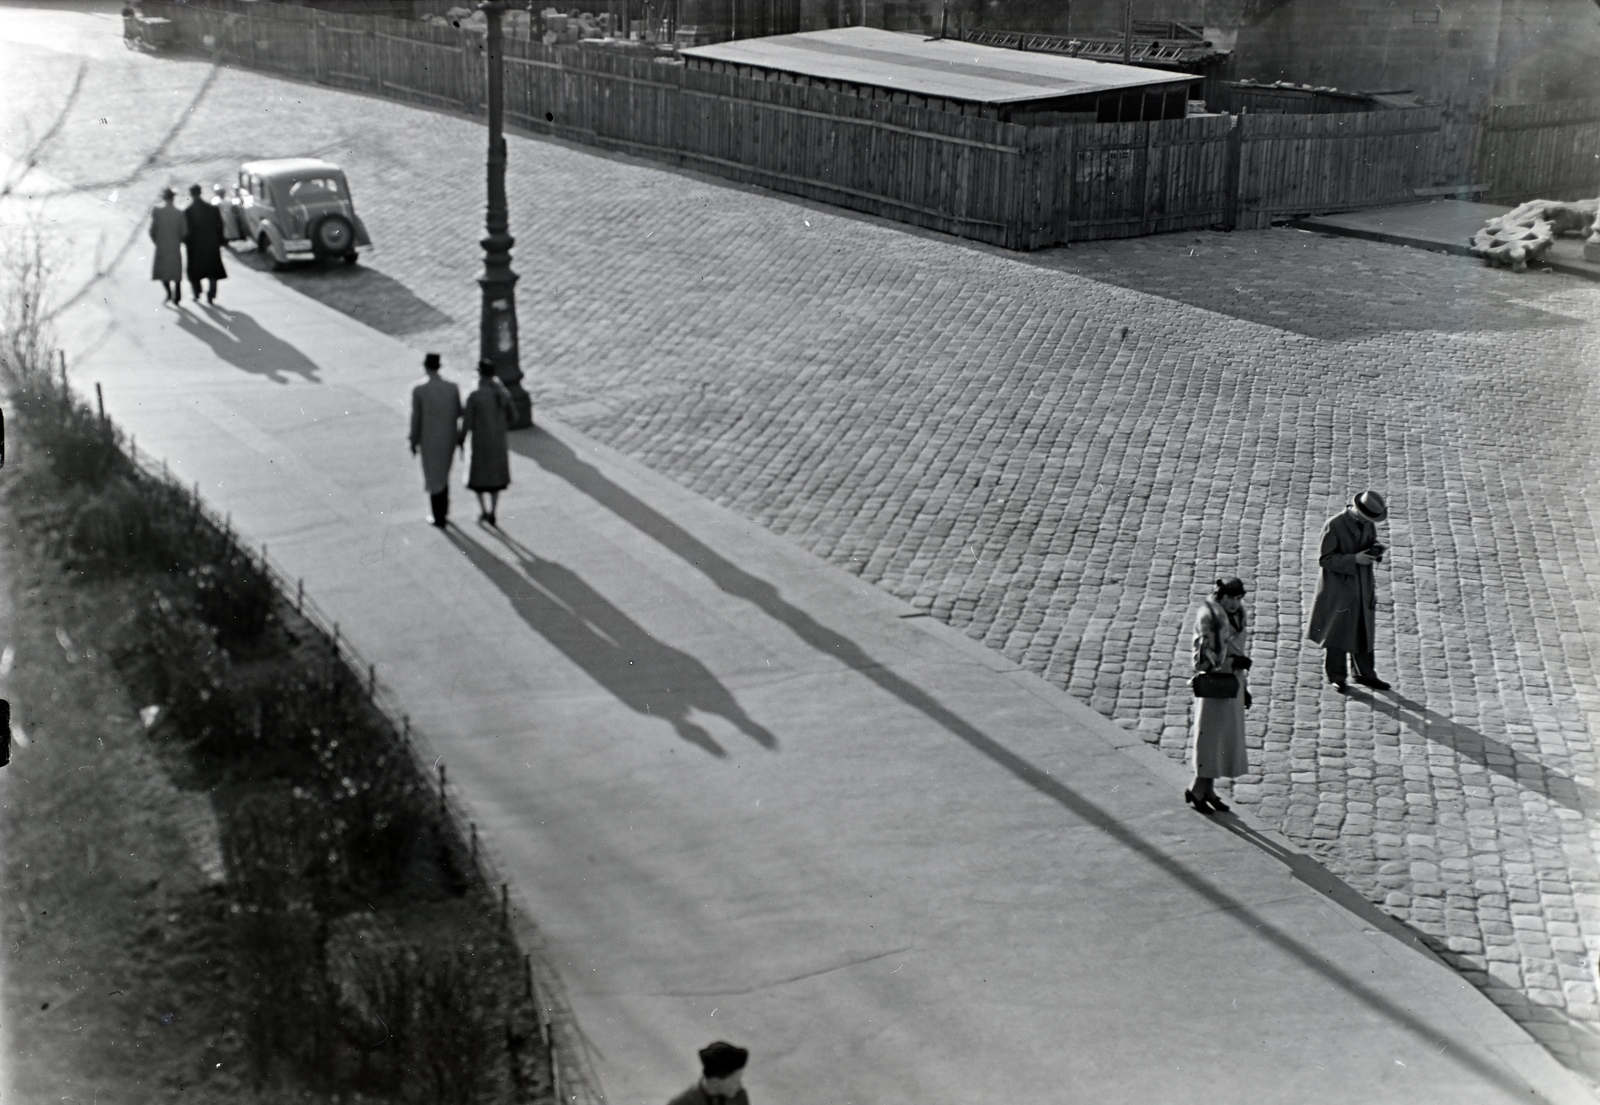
<point x="435" y="419"/>
<point x="722" y="1072"/>
<point x="1343" y="617"/>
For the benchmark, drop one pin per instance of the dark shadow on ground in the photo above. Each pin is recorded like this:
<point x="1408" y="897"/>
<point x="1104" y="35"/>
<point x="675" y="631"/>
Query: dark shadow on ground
<point x="244" y="343"/>
<point x="1307" y="870"/>
<point x="647" y="675"/>
<point x="366" y="295"/>
<point x="1493" y="755"/>
<point x="1332" y="288"/>
<point x="558" y="459"/>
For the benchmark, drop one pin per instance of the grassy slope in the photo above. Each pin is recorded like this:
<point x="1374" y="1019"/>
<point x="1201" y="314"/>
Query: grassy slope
<point x="116" y="972"/>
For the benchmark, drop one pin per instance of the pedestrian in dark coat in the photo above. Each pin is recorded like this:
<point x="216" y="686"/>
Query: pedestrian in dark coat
<point x="485" y="419"/>
<point x="166" y="231"/>
<point x="721" y="1079"/>
<point x="202" y="240"/>
<point x="1344" y="614"/>
<point x="1217" y="746"/>
<point x="435" y="414"/>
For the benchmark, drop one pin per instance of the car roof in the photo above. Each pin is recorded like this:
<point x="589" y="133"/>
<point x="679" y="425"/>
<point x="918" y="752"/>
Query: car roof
<point x="291" y="167"/>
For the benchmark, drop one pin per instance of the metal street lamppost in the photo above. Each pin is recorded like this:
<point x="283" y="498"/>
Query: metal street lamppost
<point x="498" y="339"/>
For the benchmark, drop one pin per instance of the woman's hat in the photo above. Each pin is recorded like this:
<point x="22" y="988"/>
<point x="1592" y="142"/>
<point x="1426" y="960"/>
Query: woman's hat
<point x="430" y="361"/>
<point x="1231" y="588"/>
<point x="1372" y="505"/>
<point x="720" y="1059"/>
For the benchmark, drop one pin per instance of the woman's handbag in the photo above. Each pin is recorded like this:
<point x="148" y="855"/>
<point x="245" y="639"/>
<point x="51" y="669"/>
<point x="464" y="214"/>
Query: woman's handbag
<point x="1215" y="684"/>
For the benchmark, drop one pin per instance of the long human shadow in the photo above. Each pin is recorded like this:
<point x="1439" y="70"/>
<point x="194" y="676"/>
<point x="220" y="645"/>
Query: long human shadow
<point x="244" y="343"/>
<point x="647" y="675"/>
<point x="1307" y="870"/>
<point x="557" y="458"/>
<point x="1477" y="747"/>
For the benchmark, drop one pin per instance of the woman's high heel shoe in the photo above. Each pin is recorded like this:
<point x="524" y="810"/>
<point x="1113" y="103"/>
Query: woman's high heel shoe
<point x="1198" y="803"/>
<point x="1218" y="804"/>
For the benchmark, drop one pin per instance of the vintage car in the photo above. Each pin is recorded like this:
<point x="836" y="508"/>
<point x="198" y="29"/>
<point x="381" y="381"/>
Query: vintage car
<point x="295" y="206"/>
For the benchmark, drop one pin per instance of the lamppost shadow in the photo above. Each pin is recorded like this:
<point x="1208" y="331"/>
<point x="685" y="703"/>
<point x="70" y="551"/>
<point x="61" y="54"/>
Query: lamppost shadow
<point x="559" y="460"/>
<point x="240" y="340"/>
<point x="645" y="674"/>
<point x="1488" y="753"/>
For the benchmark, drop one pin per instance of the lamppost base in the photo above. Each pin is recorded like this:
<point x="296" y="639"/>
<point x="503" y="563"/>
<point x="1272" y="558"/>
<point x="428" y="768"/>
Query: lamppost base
<point x="521" y="406"/>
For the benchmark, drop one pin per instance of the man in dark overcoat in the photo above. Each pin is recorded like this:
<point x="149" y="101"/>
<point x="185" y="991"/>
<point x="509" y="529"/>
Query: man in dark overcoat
<point x="721" y="1077"/>
<point x="203" y="237"/>
<point x="1343" y="617"/>
<point x="435" y="418"/>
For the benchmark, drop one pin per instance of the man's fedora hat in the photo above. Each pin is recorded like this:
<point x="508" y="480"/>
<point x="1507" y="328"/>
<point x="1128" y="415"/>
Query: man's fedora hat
<point x="430" y="360"/>
<point x="1372" y="505"/>
<point x="720" y="1059"/>
<point x="1231" y="588"/>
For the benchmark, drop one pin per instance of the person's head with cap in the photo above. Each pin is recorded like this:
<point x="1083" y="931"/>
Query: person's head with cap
<point x="1230" y="592"/>
<point x="194" y="191"/>
<point x="1370" y="505"/>
<point x="168" y="195"/>
<point x="430" y="361"/>
<point x="486" y="368"/>
<point x="722" y="1068"/>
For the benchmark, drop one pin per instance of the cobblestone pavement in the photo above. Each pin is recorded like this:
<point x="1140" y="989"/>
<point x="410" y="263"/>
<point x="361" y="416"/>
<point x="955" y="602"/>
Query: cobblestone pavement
<point x="1054" y="452"/>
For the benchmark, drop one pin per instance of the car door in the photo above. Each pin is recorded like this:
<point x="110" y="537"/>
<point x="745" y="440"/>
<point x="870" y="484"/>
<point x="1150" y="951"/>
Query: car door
<point x="265" y="206"/>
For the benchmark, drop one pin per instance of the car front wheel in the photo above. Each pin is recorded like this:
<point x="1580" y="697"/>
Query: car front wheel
<point x="333" y="236"/>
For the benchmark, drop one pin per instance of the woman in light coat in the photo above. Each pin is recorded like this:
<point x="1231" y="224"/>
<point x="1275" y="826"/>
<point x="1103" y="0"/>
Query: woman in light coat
<point x="1218" y="748"/>
<point x="485" y="419"/>
<point x="167" y="232"/>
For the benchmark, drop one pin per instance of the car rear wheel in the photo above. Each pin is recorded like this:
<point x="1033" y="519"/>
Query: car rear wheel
<point x="264" y="244"/>
<point x="333" y="236"/>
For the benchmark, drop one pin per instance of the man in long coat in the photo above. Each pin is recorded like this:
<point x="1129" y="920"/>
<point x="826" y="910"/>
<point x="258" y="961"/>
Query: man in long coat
<point x="202" y="240"/>
<point x="435" y="413"/>
<point x="721" y="1080"/>
<point x="166" y="231"/>
<point x="1343" y="617"/>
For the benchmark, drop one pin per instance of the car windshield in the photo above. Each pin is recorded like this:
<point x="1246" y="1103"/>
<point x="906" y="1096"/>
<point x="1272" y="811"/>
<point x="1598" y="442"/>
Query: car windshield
<point x="317" y="188"/>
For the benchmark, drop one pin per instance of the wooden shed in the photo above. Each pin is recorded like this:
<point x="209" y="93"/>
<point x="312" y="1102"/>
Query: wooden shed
<point x="964" y="78"/>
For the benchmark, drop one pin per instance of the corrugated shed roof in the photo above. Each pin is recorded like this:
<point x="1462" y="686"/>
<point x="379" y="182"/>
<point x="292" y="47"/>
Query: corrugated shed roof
<point x="944" y="68"/>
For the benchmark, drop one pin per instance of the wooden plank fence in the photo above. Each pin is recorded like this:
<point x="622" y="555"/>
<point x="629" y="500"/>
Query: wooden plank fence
<point x="1022" y="187"/>
<point x="1304" y="164"/>
<point x="1540" y="151"/>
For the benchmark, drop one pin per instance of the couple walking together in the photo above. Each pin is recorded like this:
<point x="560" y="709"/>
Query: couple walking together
<point x="196" y="230"/>
<point x="441" y="424"/>
<point x="1342" y="622"/>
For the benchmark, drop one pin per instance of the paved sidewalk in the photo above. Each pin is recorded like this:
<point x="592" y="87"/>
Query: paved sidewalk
<point x="746" y="794"/>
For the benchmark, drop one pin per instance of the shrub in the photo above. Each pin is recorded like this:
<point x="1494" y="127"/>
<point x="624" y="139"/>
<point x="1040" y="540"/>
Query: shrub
<point x="439" y="1012"/>
<point x="235" y="597"/>
<point x="82" y="447"/>
<point x="193" y="677"/>
<point x="113" y="525"/>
